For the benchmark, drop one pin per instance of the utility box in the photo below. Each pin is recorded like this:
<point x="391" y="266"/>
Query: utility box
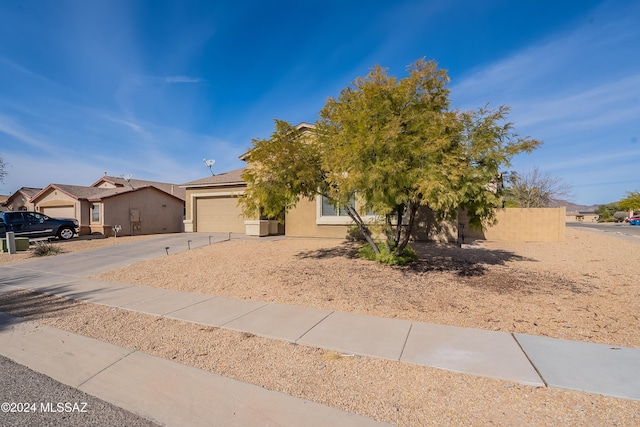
<point x="22" y="244"/>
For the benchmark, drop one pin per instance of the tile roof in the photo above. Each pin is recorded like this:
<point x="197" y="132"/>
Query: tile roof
<point x="230" y="178"/>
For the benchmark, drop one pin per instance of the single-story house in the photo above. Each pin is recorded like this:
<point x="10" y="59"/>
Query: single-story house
<point x="137" y="206"/>
<point x="582" y="217"/>
<point x="212" y="206"/>
<point x="3" y="201"/>
<point x="21" y="199"/>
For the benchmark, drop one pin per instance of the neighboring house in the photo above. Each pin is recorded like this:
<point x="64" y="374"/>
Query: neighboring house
<point x="582" y="217"/>
<point x="138" y="207"/>
<point x="116" y="182"/>
<point x="21" y="199"/>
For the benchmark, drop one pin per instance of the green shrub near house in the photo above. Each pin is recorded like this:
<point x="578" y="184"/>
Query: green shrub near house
<point x="388" y="257"/>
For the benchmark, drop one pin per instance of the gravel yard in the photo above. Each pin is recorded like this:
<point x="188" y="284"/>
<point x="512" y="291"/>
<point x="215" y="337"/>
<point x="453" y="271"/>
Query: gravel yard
<point x="580" y="289"/>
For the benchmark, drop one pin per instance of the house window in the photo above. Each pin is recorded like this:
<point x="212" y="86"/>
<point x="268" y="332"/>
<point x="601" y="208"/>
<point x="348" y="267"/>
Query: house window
<point x="95" y="212"/>
<point x="327" y="214"/>
<point x="328" y="209"/>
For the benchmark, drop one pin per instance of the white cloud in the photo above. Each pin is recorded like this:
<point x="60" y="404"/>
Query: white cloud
<point x="577" y="90"/>
<point x="128" y="123"/>
<point x="182" y="79"/>
<point x="8" y="127"/>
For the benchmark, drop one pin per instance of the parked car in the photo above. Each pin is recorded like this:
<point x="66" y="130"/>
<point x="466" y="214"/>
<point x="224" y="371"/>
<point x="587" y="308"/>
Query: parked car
<point x="633" y="217"/>
<point x="634" y="220"/>
<point x="34" y="224"/>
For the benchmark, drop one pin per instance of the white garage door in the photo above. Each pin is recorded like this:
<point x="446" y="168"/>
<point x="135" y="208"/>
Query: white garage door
<point x="60" y="211"/>
<point x="218" y="215"/>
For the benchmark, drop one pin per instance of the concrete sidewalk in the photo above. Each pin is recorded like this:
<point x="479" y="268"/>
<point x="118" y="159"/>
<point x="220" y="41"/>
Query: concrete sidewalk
<point x="160" y="390"/>
<point x="536" y="361"/>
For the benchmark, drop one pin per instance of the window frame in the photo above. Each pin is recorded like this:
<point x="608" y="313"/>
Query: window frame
<point x="337" y="219"/>
<point x="97" y="206"/>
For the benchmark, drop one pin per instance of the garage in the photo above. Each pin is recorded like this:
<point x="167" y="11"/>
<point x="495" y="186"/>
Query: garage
<point x="219" y="215"/>
<point x="59" y="211"/>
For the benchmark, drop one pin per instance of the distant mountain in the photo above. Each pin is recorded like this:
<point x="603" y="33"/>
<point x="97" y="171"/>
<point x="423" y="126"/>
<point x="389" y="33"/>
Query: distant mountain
<point x="572" y="207"/>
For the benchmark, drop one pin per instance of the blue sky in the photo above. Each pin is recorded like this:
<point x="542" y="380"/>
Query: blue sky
<point x="151" y="88"/>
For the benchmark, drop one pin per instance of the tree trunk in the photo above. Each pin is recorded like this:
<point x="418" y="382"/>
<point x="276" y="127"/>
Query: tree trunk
<point x="389" y="232"/>
<point x="413" y="209"/>
<point x="401" y="209"/>
<point x="351" y="211"/>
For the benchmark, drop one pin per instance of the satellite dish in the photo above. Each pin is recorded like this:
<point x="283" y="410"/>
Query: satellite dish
<point x="209" y="164"/>
<point x="127" y="178"/>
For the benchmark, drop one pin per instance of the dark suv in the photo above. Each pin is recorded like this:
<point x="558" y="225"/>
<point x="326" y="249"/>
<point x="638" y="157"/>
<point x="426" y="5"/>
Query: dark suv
<point x="35" y="224"/>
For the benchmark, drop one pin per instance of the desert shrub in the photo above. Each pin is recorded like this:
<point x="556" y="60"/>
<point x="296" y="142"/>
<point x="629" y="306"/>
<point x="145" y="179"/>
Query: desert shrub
<point x="606" y="212"/>
<point x="354" y="234"/>
<point x="46" y="249"/>
<point x="620" y="216"/>
<point x="387" y="257"/>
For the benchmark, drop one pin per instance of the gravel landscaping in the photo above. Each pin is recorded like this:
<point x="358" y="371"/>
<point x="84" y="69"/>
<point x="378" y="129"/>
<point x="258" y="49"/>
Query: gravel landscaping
<point x="582" y="289"/>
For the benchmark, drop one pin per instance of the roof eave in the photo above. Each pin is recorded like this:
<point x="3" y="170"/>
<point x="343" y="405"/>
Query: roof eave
<point x="225" y="184"/>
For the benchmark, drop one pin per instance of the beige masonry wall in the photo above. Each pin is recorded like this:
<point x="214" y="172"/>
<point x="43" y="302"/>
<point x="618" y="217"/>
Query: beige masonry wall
<point x="521" y="225"/>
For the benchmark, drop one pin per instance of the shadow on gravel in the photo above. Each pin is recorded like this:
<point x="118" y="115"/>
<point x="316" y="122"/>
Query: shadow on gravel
<point x="344" y="250"/>
<point x="466" y="261"/>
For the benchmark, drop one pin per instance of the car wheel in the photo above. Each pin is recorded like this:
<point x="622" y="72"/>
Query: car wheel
<point x="65" y="233"/>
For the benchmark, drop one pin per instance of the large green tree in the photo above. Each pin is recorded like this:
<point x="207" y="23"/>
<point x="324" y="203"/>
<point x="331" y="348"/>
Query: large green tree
<point x="631" y="202"/>
<point x="394" y="146"/>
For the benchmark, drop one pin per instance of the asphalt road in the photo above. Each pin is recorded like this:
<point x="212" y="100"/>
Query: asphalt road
<point x="620" y="229"/>
<point x="50" y="403"/>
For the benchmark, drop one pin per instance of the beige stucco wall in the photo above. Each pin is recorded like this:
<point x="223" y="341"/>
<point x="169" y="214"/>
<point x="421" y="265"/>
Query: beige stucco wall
<point x="301" y="222"/>
<point x="521" y="225"/>
<point x="158" y="213"/>
<point x="20" y="202"/>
